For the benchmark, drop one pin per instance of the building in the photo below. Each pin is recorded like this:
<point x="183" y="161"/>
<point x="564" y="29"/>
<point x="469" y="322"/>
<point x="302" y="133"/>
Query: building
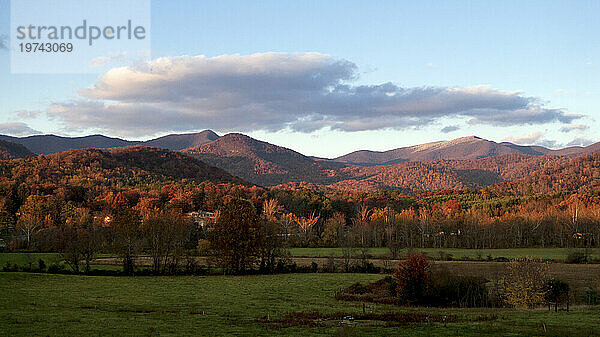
<point x="203" y="220"/>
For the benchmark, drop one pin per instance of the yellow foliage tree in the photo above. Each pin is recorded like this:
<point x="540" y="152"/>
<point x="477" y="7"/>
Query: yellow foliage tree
<point x="524" y="282"/>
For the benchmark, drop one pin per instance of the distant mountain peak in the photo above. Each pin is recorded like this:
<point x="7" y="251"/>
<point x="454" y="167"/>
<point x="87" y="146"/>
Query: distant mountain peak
<point x="261" y="162"/>
<point x="183" y="141"/>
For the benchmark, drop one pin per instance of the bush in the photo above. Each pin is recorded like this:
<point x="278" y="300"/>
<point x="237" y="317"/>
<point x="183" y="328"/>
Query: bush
<point x="443" y="256"/>
<point x="591" y="296"/>
<point x="284" y="267"/>
<point x="413" y="278"/>
<point x="41" y="265"/>
<point x="443" y="290"/>
<point x="382" y="291"/>
<point x="56" y="269"/>
<point x="365" y="268"/>
<point x="456" y="291"/>
<point x="577" y="257"/>
<point x="556" y="291"/>
<point x="10" y="267"/>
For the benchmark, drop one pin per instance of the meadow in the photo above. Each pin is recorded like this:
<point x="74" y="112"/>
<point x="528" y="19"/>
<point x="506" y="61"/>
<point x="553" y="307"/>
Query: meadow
<point x="558" y="254"/>
<point x="555" y="254"/>
<point x="68" y="305"/>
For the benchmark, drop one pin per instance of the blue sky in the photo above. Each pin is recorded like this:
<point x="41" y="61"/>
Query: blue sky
<point x="544" y="53"/>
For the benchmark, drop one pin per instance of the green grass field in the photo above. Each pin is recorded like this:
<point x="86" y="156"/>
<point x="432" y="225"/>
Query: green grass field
<point x="556" y="254"/>
<point x="457" y="253"/>
<point x="66" y="305"/>
<point x="24" y="259"/>
<point x="32" y="259"/>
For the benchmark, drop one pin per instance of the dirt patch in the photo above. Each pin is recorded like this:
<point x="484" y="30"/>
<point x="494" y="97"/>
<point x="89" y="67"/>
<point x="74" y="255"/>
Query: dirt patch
<point x="376" y="292"/>
<point x="317" y="319"/>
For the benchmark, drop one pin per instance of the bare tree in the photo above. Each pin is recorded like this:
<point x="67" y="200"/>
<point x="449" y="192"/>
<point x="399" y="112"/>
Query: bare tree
<point x="273" y="238"/>
<point x="29" y="224"/>
<point x="127" y="237"/>
<point x="305" y="225"/>
<point x="360" y="223"/>
<point x="165" y="233"/>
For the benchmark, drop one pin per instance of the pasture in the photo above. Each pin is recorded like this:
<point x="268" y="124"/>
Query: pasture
<point x="557" y="254"/>
<point x="67" y="305"/>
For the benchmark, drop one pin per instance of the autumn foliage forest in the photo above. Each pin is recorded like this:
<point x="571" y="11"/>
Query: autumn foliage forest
<point x="133" y="200"/>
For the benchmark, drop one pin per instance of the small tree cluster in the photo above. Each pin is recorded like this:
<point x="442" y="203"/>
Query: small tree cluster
<point x="236" y="236"/>
<point x="241" y="238"/>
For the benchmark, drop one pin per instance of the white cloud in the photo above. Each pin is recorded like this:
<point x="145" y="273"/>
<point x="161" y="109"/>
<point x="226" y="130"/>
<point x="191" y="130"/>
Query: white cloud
<point x="450" y="128"/>
<point x="529" y="139"/>
<point x="537" y="138"/>
<point x="580" y="142"/>
<point x="17" y="129"/>
<point x="275" y="91"/>
<point x="574" y="127"/>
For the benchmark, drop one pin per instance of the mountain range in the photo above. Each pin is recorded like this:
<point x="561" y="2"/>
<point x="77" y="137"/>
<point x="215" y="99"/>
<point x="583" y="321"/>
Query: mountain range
<point x="466" y="148"/>
<point x="468" y="162"/>
<point x="48" y="144"/>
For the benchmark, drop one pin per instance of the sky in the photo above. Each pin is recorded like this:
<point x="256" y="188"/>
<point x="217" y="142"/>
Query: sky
<point x="329" y="77"/>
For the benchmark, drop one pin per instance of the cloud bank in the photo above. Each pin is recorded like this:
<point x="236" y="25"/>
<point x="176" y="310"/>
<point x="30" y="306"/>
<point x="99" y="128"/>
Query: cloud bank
<point x="580" y="141"/>
<point x="574" y="127"/>
<point x="17" y="129"/>
<point x="533" y="138"/>
<point x="275" y="91"/>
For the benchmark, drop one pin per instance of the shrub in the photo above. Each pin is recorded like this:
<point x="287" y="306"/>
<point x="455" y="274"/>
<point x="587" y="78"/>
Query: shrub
<point x="443" y="290"/>
<point x="556" y="291"/>
<point x="56" y="269"/>
<point x="443" y="256"/>
<point x="365" y="267"/>
<point x="10" y="267"/>
<point x="577" y="257"/>
<point x="382" y="291"/>
<point x="413" y="278"/>
<point x="591" y="296"/>
<point x="41" y="265"/>
<point x="456" y="291"/>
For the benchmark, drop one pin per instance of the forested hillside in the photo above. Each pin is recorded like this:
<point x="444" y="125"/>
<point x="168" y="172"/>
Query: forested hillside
<point x="10" y="150"/>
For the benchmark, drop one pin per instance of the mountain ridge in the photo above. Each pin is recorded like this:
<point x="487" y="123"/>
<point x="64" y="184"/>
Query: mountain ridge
<point x="10" y="150"/>
<point x="260" y="162"/>
<point x="127" y="165"/>
<point x="464" y="148"/>
<point x="49" y="144"/>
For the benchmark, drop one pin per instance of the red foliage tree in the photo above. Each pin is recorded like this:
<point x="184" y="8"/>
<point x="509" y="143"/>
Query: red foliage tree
<point x="412" y="278"/>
